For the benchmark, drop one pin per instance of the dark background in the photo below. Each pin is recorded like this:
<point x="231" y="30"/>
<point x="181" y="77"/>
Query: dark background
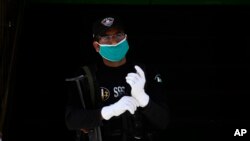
<point x="201" y="50"/>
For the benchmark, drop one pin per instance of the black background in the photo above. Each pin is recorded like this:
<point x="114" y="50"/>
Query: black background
<point x="201" y="50"/>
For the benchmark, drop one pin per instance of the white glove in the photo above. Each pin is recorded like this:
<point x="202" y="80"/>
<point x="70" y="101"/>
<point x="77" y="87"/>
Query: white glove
<point x="116" y="109"/>
<point x="137" y="82"/>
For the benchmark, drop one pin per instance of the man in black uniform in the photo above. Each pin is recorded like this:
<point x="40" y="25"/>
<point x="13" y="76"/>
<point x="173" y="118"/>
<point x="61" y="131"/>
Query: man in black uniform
<point x="127" y="110"/>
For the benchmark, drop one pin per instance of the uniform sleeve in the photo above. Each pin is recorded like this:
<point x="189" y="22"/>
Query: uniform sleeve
<point x="156" y="111"/>
<point x="76" y="117"/>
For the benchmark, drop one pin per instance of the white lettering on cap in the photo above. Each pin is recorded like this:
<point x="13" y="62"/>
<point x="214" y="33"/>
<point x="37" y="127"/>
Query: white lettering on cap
<point x="107" y="21"/>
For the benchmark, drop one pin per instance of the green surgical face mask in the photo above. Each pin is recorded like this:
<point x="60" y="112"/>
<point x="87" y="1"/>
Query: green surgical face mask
<point x="114" y="53"/>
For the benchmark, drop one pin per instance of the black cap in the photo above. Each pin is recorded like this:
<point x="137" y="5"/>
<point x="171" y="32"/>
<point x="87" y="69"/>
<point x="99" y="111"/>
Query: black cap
<point x="106" y="23"/>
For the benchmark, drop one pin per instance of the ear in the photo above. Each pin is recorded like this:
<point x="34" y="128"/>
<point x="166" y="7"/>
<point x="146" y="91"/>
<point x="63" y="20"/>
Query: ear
<point x="96" y="46"/>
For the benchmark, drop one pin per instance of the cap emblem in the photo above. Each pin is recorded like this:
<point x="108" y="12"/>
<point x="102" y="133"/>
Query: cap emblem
<point x="107" y="21"/>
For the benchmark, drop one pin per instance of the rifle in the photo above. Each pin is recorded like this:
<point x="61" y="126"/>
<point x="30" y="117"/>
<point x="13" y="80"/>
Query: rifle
<point x="93" y="134"/>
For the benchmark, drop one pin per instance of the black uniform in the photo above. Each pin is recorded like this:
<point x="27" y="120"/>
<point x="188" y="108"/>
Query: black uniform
<point x="112" y="86"/>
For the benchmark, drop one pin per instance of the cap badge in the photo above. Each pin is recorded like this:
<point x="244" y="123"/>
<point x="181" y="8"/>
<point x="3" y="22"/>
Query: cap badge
<point x="107" y="21"/>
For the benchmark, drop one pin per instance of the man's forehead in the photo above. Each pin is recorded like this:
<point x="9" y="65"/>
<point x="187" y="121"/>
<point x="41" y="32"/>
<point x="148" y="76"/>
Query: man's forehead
<point x="113" y="30"/>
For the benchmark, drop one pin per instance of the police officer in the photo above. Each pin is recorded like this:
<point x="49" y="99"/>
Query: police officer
<point x="131" y="98"/>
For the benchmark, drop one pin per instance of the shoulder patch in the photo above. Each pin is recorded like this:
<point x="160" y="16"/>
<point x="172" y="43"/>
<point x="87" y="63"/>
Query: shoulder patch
<point x="157" y="78"/>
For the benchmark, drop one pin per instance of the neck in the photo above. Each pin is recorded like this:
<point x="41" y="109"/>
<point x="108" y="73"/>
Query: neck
<point x="114" y="64"/>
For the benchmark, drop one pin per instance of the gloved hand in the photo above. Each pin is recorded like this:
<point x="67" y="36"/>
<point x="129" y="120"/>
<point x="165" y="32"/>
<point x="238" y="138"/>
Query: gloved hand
<point x="137" y="82"/>
<point x="125" y="103"/>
